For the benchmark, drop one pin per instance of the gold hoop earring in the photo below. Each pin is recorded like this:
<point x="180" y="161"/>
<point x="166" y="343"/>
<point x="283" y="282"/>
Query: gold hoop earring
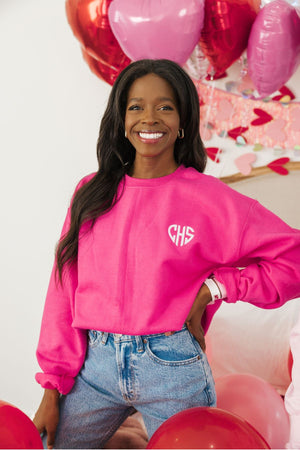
<point x="180" y="133"/>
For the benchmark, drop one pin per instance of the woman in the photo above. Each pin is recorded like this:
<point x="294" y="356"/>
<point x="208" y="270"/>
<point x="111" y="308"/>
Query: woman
<point x="149" y="248"/>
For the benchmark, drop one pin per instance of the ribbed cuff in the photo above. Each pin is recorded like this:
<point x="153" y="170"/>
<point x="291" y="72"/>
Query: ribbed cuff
<point x="63" y="383"/>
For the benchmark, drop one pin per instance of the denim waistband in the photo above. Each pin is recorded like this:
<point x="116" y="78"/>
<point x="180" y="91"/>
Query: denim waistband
<point x="128" y="337"/>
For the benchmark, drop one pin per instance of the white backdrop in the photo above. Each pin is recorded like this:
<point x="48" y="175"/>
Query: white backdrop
<point x="50" y="109"/>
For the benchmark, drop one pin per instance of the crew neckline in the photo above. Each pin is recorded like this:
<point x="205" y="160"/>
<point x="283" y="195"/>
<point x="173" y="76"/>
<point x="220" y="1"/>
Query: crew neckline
<point x="134" y="182"/>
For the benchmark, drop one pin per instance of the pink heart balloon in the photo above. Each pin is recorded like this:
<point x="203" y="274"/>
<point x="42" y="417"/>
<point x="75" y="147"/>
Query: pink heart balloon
<point x="157" y="29"/>
<point x="274" y="46"/>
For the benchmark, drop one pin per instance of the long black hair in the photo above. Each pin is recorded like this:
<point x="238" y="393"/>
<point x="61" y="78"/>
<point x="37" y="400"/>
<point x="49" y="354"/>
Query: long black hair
<point x="116" y="155"/>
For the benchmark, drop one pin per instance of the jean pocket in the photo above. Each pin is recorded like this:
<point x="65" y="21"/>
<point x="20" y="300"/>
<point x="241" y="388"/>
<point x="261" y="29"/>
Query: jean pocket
<point x="94" y="337"/>
<point x="175" y="350"/>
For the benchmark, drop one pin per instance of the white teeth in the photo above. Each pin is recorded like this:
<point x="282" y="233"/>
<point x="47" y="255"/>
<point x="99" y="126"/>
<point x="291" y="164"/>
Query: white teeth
<point x="150" y="135"/>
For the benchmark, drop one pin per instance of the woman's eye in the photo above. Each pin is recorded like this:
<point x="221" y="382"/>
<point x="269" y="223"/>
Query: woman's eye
<point x="166" y="108"/>
<point x="134" y="108"/>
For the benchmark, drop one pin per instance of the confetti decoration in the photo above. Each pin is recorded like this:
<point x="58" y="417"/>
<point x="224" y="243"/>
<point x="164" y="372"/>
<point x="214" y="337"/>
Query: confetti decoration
<point x="235" y="132"/>
<point x="213" y="153"/>
<point x="284" y="92"/>
<point x="244" y="163"/>
<point x="263" y="117"/>
<point x="278" y="166"/>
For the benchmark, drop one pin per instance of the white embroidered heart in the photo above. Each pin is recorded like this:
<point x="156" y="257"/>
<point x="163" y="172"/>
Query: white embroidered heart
<point x="180" y="235"/>
<point x="157" y="29"/>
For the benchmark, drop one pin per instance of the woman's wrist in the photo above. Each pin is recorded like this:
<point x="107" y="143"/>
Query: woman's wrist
<point x="51" y="394"/>
<point x="217" y="289"/>
<point x="204" y="296"/>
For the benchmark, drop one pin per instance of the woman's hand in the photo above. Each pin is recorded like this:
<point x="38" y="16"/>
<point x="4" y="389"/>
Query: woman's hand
<point x="47" y="416"/>
<point x="193" y="320"/>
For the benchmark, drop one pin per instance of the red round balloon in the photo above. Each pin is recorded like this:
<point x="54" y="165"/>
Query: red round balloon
<point x="256" y="401"/>
<point x="206" y="428"/>
<point x="89" y="22"/>
<point x="16" y="429"/>
<point x="227" y="26"/>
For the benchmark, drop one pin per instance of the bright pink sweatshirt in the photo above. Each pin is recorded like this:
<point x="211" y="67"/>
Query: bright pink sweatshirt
<point x="140" y="267"/>
<point x="292" y="396"/>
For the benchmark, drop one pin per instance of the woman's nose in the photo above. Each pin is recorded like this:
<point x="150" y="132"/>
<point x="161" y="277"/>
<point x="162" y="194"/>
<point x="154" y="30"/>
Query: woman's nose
<point x="149" y="116"/>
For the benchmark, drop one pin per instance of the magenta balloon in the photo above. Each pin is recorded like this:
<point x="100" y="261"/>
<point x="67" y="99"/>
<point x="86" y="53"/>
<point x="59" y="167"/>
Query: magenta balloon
<point x="274" y="46"/>
<point x="16" y="429"/>
<point x="158" y="28"/>
<point x="257" y="402"/>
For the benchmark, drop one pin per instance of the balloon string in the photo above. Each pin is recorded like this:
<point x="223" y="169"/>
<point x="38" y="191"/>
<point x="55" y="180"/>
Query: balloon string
<point x="243" y="72"/>
<point x="208" y="111"/>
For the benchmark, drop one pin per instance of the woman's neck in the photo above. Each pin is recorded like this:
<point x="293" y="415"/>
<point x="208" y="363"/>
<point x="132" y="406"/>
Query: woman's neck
<point x="149" y="168"/>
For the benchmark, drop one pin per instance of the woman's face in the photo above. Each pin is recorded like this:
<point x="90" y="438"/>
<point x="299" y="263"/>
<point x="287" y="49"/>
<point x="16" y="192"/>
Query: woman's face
<point x="152" y="118"/>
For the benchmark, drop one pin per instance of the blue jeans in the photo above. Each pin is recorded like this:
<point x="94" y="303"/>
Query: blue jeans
<point x="156" y="374"/>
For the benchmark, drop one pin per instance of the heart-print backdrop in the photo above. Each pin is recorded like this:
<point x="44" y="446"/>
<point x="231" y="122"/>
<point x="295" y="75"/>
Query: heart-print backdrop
<point x="269" y="123"/>
<point x="249" y="132"/>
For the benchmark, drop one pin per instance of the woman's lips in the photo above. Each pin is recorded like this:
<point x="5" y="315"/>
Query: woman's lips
<point x="148" y="135"/>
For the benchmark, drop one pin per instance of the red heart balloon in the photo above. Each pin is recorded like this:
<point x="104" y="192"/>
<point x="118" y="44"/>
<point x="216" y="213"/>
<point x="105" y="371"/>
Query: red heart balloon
<point x="103" y="71"/>
<point x="89" y="22"/>
<point x="224" y="36"/>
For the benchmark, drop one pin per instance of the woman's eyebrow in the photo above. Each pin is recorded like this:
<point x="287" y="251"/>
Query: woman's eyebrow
<point x="161" y="99"/>
<point x="135" y="99"/>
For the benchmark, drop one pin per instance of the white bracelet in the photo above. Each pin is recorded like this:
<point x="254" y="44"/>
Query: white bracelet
<point x="214" y="289"/>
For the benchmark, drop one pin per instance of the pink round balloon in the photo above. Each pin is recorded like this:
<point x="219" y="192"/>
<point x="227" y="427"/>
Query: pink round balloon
<point x="157" y="29"/>
<point x="274" y="46"/>
<point x="256" y="401"/>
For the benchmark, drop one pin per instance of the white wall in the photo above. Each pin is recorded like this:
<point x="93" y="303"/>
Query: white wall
<point x="50" y="108"/>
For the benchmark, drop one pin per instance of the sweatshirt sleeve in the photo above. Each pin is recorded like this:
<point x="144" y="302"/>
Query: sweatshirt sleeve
<point x="61" y="347"/>
<point x="266" y="271"/>
<point x="292" y="396"/>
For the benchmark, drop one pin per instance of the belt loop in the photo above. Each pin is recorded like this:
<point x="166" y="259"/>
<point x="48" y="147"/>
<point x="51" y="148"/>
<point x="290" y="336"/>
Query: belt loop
<point x="104" y="338"/>
<point x="139" y="343"/>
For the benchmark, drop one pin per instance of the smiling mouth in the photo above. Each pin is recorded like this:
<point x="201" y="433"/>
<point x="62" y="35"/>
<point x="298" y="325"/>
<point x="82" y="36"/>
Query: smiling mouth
<point x="147" y="135"/>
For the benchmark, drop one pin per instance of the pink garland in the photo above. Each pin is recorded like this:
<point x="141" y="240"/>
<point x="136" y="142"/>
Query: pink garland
<point x="266" y="123"/>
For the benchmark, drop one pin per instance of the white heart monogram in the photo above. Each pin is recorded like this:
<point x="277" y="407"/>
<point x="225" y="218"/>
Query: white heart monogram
<point x="180" y="235"/>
